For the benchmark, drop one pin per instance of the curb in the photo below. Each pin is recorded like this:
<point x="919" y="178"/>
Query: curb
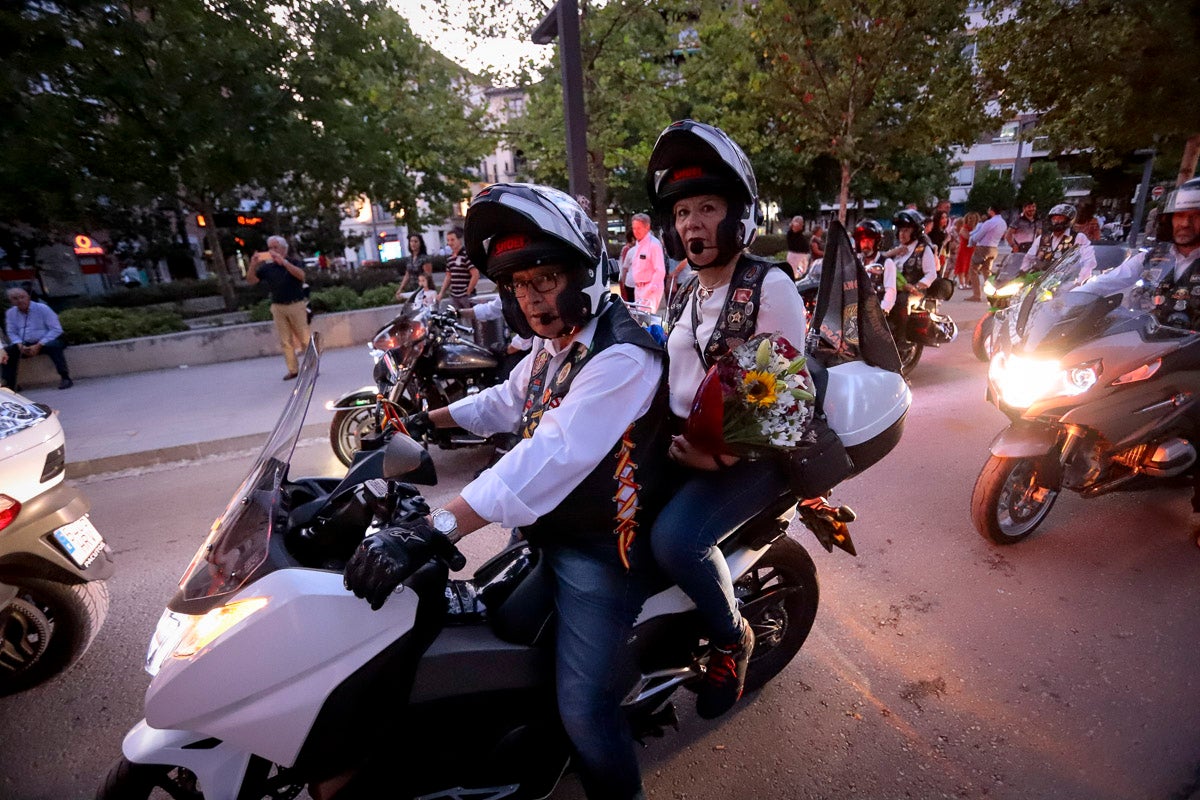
<point x="181" y="452"/>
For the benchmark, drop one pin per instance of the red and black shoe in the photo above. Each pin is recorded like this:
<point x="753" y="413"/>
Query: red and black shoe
<point x="725" y="676"/>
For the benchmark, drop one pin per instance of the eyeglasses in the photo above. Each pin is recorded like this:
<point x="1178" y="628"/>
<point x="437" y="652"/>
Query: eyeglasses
<point x="542" y="284"/>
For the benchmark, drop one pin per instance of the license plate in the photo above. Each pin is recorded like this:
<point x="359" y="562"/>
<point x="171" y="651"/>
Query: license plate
<point x="80" y="540"/>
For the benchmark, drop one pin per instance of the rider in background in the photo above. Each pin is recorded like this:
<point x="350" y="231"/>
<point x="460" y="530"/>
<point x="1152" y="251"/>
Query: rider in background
<point x="916" y="261"/>
<point x="1049" y="246"/>
<point x="882" y="270"/>
<point x="1168" y="271"/>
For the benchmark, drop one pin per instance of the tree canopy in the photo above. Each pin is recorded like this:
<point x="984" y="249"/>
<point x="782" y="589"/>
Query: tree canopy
<point x="1109" y="76"/>
<point x="194" y="104"/>
<point x="867" y="84"/>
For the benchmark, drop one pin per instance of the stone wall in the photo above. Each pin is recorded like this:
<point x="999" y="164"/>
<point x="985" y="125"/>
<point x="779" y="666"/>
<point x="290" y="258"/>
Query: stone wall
<point x="208" y="346"/>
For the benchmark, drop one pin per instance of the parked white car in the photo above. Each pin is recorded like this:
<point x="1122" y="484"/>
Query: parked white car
<point x="53" y="561"/>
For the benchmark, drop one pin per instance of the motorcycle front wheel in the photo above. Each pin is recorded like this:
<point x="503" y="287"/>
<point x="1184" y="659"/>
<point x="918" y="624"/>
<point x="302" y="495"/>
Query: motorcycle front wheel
<point x="981" y="340"/>
<point x="348" y="429"/>
<point x="779" y="598"/>
<point x="46" y="628"/>
<point x="1010" y="500"/>
<point x="129" y="781"/>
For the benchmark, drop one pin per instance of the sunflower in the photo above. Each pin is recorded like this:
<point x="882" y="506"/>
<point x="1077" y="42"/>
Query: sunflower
<point x="760" y="387"/>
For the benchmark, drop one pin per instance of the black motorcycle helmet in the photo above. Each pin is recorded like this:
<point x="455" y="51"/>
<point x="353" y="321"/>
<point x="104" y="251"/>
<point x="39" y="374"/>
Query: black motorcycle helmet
<point x="689" y="159"/>
<point x="911" y="218"/>
<point x="516" y="226"/>
<point x="1064" y="210"/>
<point x="869" y="230"/>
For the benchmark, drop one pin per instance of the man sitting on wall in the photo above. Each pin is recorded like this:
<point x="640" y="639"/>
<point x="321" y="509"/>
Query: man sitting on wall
<point x="32" y="328"/>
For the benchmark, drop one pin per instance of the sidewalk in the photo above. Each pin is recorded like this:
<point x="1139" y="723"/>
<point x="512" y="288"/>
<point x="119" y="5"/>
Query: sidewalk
<point x="144" y="418"/>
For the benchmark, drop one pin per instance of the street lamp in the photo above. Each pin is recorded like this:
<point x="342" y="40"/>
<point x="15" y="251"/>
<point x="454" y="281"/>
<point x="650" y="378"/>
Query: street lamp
<point x="562" y="22"/>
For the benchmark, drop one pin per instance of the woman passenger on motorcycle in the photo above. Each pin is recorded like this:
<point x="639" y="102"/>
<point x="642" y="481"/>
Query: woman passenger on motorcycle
<point x="702" y="187"/>
<point x="882" y="270"/>
<point x="917" y="263"/>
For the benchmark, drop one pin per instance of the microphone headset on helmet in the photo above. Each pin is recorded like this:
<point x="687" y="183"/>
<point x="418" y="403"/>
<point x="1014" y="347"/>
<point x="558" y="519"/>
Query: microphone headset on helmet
<point x="517" y="226"/>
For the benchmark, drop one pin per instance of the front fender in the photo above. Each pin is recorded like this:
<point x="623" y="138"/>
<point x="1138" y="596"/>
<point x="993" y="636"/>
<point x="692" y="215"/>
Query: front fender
<point x="220" y="767"/>
<point x="354" y="400"/>
<point x="1024" y="440"/>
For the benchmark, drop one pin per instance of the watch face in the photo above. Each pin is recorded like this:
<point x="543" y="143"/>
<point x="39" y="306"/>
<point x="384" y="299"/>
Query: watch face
<point x="444" y="521"/>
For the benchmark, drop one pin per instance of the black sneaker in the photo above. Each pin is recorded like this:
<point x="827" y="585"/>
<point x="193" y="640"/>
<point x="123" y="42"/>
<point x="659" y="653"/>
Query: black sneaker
<point x="66" y="383"/>
<point x="725" y="676"/>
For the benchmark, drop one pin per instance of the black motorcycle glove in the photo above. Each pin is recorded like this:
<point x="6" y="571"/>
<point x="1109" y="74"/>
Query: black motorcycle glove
<point x="419" y="426"/>
<point x="385" y="559"/>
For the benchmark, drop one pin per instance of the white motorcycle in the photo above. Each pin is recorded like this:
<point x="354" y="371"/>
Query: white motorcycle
<point x="269" y="677"/>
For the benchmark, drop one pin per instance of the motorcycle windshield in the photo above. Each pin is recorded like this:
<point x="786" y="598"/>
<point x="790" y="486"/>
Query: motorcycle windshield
<point x="1058" y="311"/>
<point x="238" y="542"/>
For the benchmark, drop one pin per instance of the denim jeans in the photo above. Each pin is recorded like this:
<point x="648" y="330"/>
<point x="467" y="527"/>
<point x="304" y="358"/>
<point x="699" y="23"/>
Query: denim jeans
<point x="597" y="603"/>
<point x="53" y="349"/>
<point x="685" y="536"/>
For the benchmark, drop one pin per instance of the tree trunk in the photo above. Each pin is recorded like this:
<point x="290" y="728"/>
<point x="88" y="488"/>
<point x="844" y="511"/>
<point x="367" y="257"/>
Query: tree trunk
<point x="599" y="180"/>
<point x="1187" y="167"/>
<point x="844" y="192"/>
<point x="218" y="256"/>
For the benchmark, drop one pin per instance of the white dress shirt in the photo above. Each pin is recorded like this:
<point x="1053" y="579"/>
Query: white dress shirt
<point x="889" y="284"/>
<point x="988" y="233"/>
<point x="612" y="390"/>
<point x="780" y="311"/>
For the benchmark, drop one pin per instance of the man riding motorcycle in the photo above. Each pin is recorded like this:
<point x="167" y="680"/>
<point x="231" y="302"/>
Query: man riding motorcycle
<point x="1050" y="246"/>
<point x="590" y="395"/>
<point x="1170" y="280"/>
<point x="882" y="270"/>
<point x="1170" y="277"/>
<point x="917" y="264"/>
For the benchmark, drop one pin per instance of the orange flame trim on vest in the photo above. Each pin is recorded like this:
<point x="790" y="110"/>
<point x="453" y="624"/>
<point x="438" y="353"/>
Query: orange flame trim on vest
<point x="626" y="509"/>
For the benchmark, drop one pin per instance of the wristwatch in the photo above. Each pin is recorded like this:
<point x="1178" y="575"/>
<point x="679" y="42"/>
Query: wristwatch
<point x="444" y="522"/>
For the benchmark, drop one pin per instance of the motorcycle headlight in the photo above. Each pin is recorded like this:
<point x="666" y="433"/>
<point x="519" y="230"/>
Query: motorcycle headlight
<point x="1008" y="289"/>
<point x="184" y="635"/>
<point x="989" y="288"/>
<point x="1021" y="381"/>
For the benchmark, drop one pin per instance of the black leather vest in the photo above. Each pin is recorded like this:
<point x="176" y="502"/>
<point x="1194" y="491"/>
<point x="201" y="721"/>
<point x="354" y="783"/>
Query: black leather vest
<point x="1046" y="253"/>
<point x="617" y="501"/>
<point x="740" y="313"/>
<point x="1176" y="302"/>
<point x="912" y="270"/>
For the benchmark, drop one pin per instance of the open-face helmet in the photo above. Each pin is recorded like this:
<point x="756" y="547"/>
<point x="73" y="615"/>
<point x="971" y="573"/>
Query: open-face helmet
<point x="909" y="218"/>
<point x="517" y="226"/>
<point x="868" y="231"/>
<point x="1185" y="198"/>
<point x="691" y="158"/>
<point x="1064" y="210"/>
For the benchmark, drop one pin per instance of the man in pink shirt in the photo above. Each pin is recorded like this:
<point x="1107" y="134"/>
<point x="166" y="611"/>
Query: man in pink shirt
<point x="648" y="265"/>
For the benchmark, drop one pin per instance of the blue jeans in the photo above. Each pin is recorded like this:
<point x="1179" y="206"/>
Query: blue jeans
<point x="597" y="603"/>
<point x="700" y="514"/>
<point x="53" y="349"/>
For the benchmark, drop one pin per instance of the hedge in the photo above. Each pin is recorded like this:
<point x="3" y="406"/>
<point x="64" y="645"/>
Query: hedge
<point x="98" y="324"/>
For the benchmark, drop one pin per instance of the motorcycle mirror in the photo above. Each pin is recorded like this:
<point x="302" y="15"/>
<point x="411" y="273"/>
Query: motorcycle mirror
<point x="405" y="458"/>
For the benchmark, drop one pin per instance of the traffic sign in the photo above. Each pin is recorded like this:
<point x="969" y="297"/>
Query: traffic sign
<point x="1156" y="193"/>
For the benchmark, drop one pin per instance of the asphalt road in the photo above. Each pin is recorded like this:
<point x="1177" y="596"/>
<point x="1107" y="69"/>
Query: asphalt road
<point x="939" y="665"/>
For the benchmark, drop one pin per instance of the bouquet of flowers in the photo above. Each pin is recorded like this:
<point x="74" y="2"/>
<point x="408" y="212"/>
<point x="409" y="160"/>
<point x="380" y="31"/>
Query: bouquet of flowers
<point x="755" y="399"/>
